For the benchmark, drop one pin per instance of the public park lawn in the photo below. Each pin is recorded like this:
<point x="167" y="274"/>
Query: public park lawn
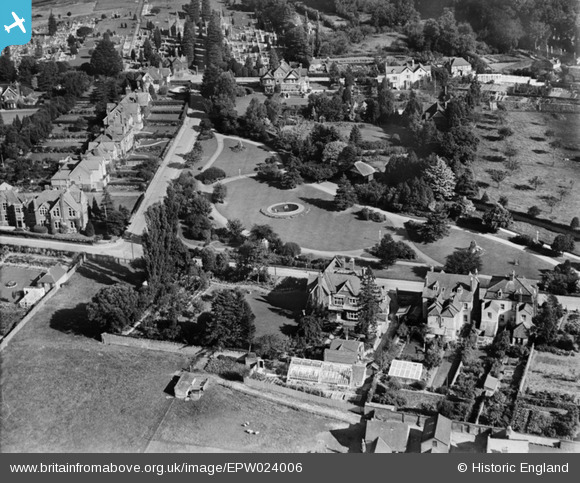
<point x="320" y="228"/>
<point x="241" y="162"/>
<point x="497" y="258"/>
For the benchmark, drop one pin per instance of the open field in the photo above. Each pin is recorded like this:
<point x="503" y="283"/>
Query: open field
<point x="320" y="228"/>
<point x="275" y="311"/>
<point x="497" y="258"/>
<point x="215" y="422"/>
<point x="242" y="162"/>
<point x="21" y="275"/>
<point x="556" y="167"/>
<point x="553" y="373"/>
<point x="63" y="391"/>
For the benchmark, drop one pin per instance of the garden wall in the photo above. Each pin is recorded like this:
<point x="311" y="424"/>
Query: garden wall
<point x="40" y="305"/>
<point x="149" y="344"/>
<point x="526" y="370"/>
<point x="387" y="413"/>
<point x="265" y="386"/>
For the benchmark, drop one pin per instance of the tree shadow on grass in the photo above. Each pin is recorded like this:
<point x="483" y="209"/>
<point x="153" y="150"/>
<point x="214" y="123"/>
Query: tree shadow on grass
<point x="492" y="138"/>
<point x="109" y="272"/>
<point x="420" y="271"/>
<point x="289" y="330"/>
<point x="494" y="159"/>
<point x="350" y="437"/>
<point x="327" y="205"/>
<point x="75" y="321"/>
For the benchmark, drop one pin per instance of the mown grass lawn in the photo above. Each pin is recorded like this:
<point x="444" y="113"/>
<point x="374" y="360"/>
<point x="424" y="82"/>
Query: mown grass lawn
<point x="320" y="228"/>
<point x="235" y="163"/>
<point x="275" y="312"/>
<point x="497" y="258"/>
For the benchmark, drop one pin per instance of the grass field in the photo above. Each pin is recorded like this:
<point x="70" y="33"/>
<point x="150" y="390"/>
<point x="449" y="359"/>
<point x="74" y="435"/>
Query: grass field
<point x="242" y="162"/>
<point x="215" y="422"/>
<point x="557" y="167"/>
<point x="497" y="258"/>
<point x="275" y="312"/>
<point x="320" y="228"/>
<point x="22" y="276"/>
<point x="63" y="391"/>
<point x="553" y="373"/>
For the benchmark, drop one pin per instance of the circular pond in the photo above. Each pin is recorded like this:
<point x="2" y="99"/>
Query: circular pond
<point x="283" y="210"/>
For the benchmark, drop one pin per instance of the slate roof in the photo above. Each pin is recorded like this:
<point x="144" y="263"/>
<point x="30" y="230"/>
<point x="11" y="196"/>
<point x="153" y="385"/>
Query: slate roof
<point x="340" y="356"/>
<point x="363" y="168"/>
<point x="345" y="345"/>
<point x="511" y="287"/>
<point x="459" y="62"/>
<point x="53" y="275"/>
<point x="521" y="331"/>
<point x="439" y="428"/>
<point x="393" y="435"/>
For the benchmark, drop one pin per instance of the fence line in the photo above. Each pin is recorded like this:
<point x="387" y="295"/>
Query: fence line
<point x="39" y="305"/>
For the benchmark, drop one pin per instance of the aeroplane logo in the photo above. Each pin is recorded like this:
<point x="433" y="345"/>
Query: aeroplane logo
<point x="18" y="22"/>
<point x="16" y="18"/>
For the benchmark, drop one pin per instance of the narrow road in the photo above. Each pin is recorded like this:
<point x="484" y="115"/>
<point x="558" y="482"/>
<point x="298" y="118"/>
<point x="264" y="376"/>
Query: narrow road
<point x="170" y="168"/>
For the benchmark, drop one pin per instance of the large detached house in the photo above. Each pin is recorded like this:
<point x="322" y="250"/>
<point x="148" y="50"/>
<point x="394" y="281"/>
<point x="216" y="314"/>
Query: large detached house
<point x="58" y="210"/>
<point x="407" y="76"/>
<point x="459" y="67"/>
<point x="448" y="303"/>
<point x="89" y="174"/>
<point x="509" y="303"/>
<point x="337" y="288"/>
<point x="292" y="81"/>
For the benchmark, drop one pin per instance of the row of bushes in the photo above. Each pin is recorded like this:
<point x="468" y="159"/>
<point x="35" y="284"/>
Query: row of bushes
<point x="29" y="234"/>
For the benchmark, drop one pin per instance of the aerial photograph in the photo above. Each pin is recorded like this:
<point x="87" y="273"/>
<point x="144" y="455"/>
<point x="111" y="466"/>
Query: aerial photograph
<point x="290" y="226"/>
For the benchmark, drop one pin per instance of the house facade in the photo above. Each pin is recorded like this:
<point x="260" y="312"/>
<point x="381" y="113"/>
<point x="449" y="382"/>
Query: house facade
<point x="90" y="174"/>
<point x="291" y="81"/>
<point x="436" y="436"/>
<point x="337" y="288"/>
<point x="459" y="67"/>
<point x="407" y="76"/>
<point x="449" y="301"/>
<point x="60" y="210"/>
<point x="507" y="303"/>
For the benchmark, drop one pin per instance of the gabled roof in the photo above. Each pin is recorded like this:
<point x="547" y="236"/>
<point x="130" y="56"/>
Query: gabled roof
<point x="340" y="357"/>
<point x="53" y="275"/>
<point x="393" y="434"/>
<point x="459" y="62"/>
<point x="345" y="345"/>
<point x="521" y="331"/>
<point x="363" y="168"/>
<point x="439" y="428"/>
<point x="510" y="287"/>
